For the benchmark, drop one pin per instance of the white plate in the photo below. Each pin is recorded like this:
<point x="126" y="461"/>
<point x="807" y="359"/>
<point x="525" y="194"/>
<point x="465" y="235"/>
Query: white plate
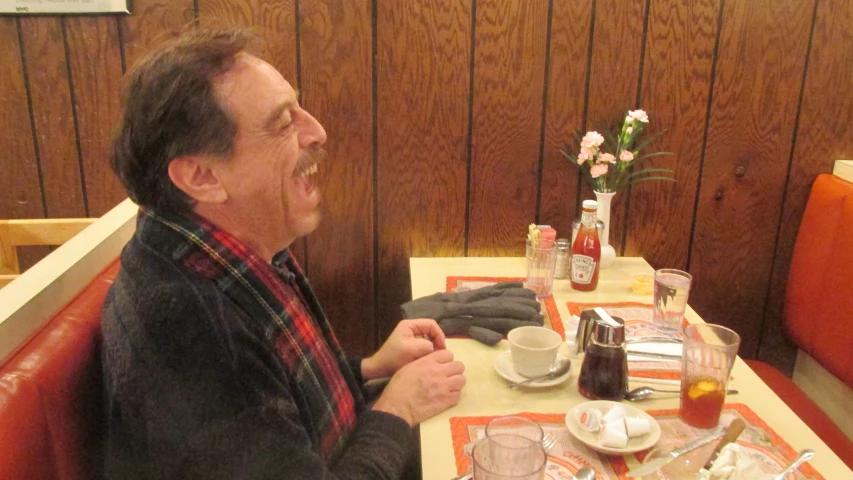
<point x="591" y="439"/>
<point x="503" y="365"/>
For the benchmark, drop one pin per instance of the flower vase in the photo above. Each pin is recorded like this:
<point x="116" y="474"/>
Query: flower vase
<point x="608" y="253"/>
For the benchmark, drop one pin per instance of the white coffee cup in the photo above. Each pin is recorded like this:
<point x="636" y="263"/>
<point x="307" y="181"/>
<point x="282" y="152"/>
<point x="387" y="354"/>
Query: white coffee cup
<point x="534" y="350"/>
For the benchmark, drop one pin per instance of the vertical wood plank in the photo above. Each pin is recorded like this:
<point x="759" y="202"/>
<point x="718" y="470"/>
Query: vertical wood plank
<point x="567" y="74"/>
<point x="675" y="89"/>
<point x="614" y="73"/>
<point x="759" y="71"/>
<point x="422" y="75"/>
<point x="94" y="54"/>
<point x="19" y="181"/>
<point x="509" y="74"/>
<point x="151" y="22"/>
<point x="53" y="117"/>
<point x="824" y="134"/>
<point x="274" y="22"/>
<point x="337" y="83"/>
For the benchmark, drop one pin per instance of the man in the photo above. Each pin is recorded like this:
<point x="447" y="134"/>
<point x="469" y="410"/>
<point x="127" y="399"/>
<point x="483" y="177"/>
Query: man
<point x="218" y="360"/>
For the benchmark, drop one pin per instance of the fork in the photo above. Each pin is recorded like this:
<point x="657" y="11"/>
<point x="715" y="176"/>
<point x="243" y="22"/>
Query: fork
<point x="548" y="442"/>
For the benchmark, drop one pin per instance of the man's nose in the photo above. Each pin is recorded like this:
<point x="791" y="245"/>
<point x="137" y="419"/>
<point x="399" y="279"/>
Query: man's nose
<point x="312" y="133"/>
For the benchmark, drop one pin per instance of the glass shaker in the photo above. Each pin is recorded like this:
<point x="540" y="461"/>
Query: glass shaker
<point x="564" y="258"/>
<point x="604" y="372"/>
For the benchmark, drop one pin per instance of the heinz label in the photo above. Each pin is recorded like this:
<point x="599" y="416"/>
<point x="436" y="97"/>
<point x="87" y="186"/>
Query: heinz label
<point x="582" y="268"/>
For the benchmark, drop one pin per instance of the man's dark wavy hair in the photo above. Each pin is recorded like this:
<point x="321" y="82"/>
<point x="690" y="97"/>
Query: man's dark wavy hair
<point x="169" y="110"/>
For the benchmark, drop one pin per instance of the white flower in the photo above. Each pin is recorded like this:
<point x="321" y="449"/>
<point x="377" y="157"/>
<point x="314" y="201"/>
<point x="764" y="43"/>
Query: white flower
<point x="626" y="156"/>
<point x="639" y="115"/>
<point x="630" y="130"/>
<point x="592" y="139"/>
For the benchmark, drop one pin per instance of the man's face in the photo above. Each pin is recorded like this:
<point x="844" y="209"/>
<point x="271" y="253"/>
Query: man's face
<point x="277" y="149"/>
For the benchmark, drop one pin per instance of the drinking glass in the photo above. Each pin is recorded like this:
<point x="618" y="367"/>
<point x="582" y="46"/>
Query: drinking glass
<point x="541" y="262"/>
<point x="672" y="288"/>
<point x="707" y="359"/>
<point x="505" y="456"/>
<point x="515" y="425"/>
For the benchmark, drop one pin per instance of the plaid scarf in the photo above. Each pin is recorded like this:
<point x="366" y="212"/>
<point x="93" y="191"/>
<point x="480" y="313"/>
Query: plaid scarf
<point x="280" y="299"/>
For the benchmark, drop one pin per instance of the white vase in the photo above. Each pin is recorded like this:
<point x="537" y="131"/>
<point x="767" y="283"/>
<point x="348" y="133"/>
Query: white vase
<point x="608" y="253"/>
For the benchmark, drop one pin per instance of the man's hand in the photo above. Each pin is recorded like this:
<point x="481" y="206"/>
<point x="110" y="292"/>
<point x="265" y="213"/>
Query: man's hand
<point x="423" y="388"/>
<point x="410" y="340"/>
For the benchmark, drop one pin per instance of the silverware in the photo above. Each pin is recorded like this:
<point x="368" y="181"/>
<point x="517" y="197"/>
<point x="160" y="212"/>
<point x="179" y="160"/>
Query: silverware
<point x="641" y="393"/>
<point x="548" y="442"/>
<point x="656" y="464"/>
<point x="558" y="369"/>
<point x="804" y="456"/>
<point x="633" y="340"/>
<point x="659" y="356"/>
<point x="586" y="473"/>
<point x="736" y="426"/>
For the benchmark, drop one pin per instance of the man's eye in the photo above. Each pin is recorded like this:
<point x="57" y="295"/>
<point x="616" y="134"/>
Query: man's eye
<point x="286" y="125"/>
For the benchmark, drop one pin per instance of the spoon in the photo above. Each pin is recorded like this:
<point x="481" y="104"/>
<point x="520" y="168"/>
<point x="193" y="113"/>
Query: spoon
<point x="641" y="393"/>
<point x="558" y="369"/>
<point x="803" y="457"/>
<point x="586" y="473"/>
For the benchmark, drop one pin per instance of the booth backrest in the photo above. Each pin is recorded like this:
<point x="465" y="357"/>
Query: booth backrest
<point x="818" y="302"/>
<point x="51" y="394"/>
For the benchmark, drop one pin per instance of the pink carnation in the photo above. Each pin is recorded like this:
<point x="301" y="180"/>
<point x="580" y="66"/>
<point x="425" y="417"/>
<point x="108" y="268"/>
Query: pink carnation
<point x="626" y="156"/>
<point x="640" y="115"/>
<point x="592" y="139"/>
<point x="598" y="170"/>
<point x="608" y="158"/>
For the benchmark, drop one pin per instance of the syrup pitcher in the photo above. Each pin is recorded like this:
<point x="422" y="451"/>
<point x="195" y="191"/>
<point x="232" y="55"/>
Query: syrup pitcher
<point x="604" y="372"/>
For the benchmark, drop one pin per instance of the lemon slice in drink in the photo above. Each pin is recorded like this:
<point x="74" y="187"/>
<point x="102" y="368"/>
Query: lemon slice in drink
<point x="702" y="387"/>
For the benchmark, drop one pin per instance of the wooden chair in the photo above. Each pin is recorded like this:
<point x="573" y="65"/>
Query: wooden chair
<point x="29" y="232"/>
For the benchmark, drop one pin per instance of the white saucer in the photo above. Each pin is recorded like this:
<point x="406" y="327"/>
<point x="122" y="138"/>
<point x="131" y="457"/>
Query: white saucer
<point x="591" y="439"/>
<point x="503" y="365"/>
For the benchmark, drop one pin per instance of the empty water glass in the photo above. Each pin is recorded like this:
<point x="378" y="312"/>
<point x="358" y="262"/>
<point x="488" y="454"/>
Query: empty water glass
<point x="515" y="425"/>
<point x="505" y="457"/>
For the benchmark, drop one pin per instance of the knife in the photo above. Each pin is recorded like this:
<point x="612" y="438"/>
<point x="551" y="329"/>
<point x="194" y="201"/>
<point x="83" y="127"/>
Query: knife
<point x="734" y="429"/>
<point x="654" y="465"/>
<point x="659" y="356"/>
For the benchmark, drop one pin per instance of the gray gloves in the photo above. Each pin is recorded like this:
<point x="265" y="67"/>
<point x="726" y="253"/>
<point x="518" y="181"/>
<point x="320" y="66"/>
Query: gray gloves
<point x="485" y="314"/>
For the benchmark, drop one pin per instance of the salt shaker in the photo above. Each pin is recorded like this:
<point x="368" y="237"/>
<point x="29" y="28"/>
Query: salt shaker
<point x="564" y="258"/>
<point x="604" y="372"/>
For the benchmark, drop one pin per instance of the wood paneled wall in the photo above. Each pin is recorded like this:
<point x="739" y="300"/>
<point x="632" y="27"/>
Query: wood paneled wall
<point x="446" y="119"/>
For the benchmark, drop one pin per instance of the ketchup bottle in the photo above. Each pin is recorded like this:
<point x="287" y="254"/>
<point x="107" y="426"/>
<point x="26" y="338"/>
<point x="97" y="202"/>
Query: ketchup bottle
<point x="586" y="250"/>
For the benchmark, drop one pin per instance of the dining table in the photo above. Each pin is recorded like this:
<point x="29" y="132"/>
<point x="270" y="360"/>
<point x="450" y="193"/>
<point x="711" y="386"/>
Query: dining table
<point x="486" y="393"/>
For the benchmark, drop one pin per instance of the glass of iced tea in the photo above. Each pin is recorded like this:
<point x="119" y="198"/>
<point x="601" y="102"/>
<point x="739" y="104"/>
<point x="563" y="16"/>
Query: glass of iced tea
<point x="709" y="353"/>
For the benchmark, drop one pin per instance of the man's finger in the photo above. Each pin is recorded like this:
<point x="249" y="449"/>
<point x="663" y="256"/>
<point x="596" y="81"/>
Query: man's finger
<point x="428" y="327"/>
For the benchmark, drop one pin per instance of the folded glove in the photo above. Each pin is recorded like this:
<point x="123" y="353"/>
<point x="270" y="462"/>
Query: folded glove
<point x="484" y="314"/>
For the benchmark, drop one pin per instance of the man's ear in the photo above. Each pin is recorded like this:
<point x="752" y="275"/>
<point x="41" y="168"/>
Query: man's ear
<point x="194" y="177"/>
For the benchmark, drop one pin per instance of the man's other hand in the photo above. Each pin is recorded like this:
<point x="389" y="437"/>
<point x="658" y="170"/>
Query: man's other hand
<point x="410" y="340"/>
<point x="423" y="388"/>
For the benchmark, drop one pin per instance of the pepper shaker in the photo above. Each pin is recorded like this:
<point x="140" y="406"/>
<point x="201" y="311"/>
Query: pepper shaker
<point x="564" y="258"/>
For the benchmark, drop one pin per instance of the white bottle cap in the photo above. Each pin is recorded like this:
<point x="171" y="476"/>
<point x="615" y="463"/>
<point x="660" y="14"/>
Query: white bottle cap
<point x="590" y="204"/>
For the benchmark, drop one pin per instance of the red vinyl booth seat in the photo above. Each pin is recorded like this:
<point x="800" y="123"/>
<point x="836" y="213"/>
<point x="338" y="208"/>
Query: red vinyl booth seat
<point x="818" y="304"/>
<point x="51" y="394"/>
